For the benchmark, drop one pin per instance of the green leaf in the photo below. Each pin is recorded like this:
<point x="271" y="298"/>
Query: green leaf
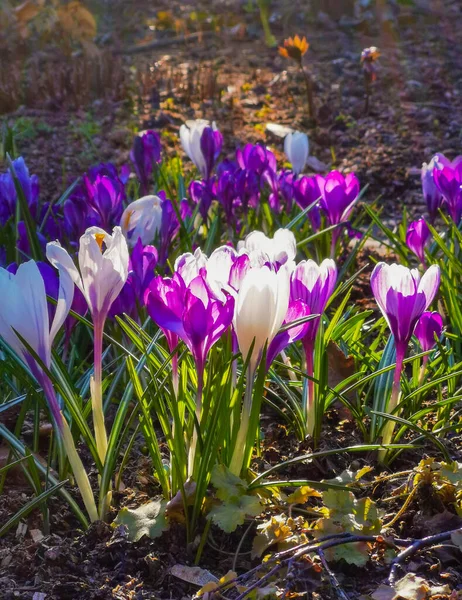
<point x="148" y="519"/>
<point x="231" y="514"/>
<point x="228" y="485"/>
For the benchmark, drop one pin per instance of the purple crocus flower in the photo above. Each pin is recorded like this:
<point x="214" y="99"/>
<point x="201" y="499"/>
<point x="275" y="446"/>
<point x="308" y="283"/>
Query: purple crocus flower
<point x="256" y="158"/>
<point x="428" y="326"/>
<point x="145" y="153"/>
<point x="286" y="181"/>
<point x="313" y="285"/>
<point x="190" y="312"/>
<point x="417" y="237"/>
<point x="202" y="193"/>
<point x="105" y="196"/>
<point x="8" y="197"/>
<point x="431" y="193"/>
<point x="227" y="194"/>
<point x="270" y="178"/>
<point x="23" y="240"/>
<point x="448" y="180"/>
<point x="248" y="187"/>
<point x="306" y="192"/>
<point x="211" y="144"/>
<point x="297" y="310"/>
<point x="402" y="297"/>
<point x="170" y="225"/>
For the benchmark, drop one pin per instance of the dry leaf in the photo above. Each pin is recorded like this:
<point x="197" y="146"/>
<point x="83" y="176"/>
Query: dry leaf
<point x="77" y="21"/>
<point x="26" y="11"/>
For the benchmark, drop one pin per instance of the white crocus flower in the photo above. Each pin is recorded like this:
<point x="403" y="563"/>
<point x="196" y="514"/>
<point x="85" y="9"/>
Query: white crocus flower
<point x="296" y="147"/>
<point x="281" y="249"/>
<point x="189" y="265"/>
<point x="190" y="137"/>
<point x="24" y="310"/>
<point x="261" y="306"/>
<point x="142" y="219"/>
<point x="103" y="271"/>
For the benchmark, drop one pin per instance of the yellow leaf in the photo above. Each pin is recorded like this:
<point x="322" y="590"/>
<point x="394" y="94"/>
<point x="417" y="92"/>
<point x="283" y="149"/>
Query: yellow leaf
<point x="26" y="11"/>
<point x="301" y="495"/>
<point x="77" y="21"/>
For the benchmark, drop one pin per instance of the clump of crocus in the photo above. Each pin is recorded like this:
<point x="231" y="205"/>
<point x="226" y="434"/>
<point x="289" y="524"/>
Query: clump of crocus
<point x="24" y="318"/>
<point x="402" y="297"/>
<point x="295" y="48"/>
<point x="369" y="57"/>
<point x="103" y="263"/>
<point x="145" y="154"/>
<point x="417" y="237"/>
<point x="296" y="147"/>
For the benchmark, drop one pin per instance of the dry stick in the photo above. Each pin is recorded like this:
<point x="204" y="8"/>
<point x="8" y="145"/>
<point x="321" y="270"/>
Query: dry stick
<point x="415" y="546"/>
<point x="333" y="579"/>
<point x="179" y="39"/>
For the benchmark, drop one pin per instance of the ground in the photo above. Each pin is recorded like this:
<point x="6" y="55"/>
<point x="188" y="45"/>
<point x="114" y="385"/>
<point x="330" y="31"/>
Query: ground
<point x="232" y="77"/>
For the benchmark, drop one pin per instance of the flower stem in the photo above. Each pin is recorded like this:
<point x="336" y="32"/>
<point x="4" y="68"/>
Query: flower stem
<point x="196" y="425"/>
<point x="97" y="391"/>
<point x="240" y="446"/>
<point x="64" y="434"/>
<point x="394" y="398"/>
<point x="309" y="92"/>
<point x="308" y="405"/>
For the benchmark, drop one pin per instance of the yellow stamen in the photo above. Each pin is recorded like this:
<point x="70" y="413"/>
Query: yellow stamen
<point x="99" y="237"/>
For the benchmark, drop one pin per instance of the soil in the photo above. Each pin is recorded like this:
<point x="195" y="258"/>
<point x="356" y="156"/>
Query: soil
<point x="232" y="77"/>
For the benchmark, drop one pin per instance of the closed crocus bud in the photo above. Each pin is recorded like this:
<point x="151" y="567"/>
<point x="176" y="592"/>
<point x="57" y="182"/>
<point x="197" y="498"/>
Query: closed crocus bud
<point x="261" y="306"/>
<point x="417" y="237"/>
<point x="142" y="220"/>
<point x="146" y="153"/>
<point x="25" y="312"/>
<point x="339" y="194"/>
<point x="103" y="271"/>
<point x="202" y="142"/>
<point x="428" y="329"/>
<point x="296" y="148"/>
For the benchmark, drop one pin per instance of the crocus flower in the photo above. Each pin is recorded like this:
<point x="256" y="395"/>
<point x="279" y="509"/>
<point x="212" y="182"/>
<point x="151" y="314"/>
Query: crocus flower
<point x="25" y="311"/>
<point x="106" y="196"/>
<point x="256" y="158"/>
<point x="279" y="250"/>
<point x="339" y="194"/>
<point x="417" y="237"/>
<point x="142" y="219"/>
<point x="313" y="285"/>
<point x="145" y="153"/>
<point x="307" y="193"/>
<point x="286" y="180"/>
<point x="431" y="193"/>
<point x="261" y="305"/>
<point x="202" y="193"/>
<point x="103" y="273"/>
<point x="8" y="197"/>
<point x="227" y="194"/>
<point x="402" y="297"/>
<point x="170" y="225"/>
<point x="296" y="148"/>
<point x="202" y="142"/>
<point x="428" y="326"/>
<point x="448" y="180"/>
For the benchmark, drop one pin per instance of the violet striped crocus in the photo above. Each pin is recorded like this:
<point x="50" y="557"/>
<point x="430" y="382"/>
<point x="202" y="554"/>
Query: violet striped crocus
<point x="417" y="237"/>
<point x="145" y="154"/>
<point x="402" y="296"/>
<point x="296" y="148"/>
<point x="339" y="194"/>
<point x="142" y="220"/>
<point x="190" y="312"/>
<point x="103" y="273"/>
<point x="202" y="142"/>
<point x="448" y="180"/>
<point x="24" y="315"/>
<point x="313" y="285"/>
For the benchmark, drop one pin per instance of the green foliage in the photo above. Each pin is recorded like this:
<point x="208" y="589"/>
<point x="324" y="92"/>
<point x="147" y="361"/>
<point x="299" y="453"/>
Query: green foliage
<point x="149" y="519"/>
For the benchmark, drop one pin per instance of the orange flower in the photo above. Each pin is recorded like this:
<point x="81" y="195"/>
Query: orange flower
<point x="370" y="54"/>
<point x="294" y="48"/>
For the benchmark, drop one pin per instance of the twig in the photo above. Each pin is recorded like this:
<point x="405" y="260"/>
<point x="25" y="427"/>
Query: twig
<point x="333" y="579"/>
<point x="178" y="39"/>
<point x="418" y="545"/>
